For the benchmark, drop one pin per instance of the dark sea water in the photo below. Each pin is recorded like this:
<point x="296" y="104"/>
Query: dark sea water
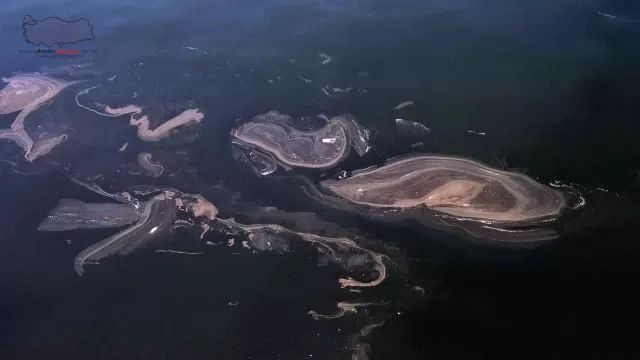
<point x="547" y="86"/>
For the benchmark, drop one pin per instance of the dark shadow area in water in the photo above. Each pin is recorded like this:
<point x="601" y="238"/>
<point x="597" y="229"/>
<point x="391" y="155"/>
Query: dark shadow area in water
<point x="562" y="301"/>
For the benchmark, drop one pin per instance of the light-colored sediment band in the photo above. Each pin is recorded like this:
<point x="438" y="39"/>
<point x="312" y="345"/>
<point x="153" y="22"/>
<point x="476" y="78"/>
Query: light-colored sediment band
<point x="189" y="116"/>
<point x="343" y="309"/>
<point x="44" y="146"/>
<point x="144" y="160"/>
<point x="324" y="242"/>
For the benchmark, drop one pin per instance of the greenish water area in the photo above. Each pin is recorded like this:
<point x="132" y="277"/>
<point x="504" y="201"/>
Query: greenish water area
<point x="544" y="88"/>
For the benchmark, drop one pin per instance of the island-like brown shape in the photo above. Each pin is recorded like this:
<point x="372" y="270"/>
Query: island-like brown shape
<point x="461" y="190"/>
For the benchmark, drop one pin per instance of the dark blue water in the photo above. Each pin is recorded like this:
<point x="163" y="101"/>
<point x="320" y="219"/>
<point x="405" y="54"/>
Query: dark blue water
<point x="553" y="86"/>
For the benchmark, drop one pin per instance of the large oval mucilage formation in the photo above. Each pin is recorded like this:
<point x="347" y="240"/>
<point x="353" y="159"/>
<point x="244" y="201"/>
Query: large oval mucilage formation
<point x="484" y="201"/>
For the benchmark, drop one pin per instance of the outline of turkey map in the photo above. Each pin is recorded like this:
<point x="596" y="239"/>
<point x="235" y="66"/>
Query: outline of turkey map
<point x="56" y="31"/>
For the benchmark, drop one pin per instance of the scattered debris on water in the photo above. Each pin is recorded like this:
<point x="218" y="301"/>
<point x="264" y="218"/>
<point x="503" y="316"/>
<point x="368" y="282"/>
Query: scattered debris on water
<point x="412" y="124"/>
<point x="476" y="132"/>
<point x="337" y="89"/>
<point x="329" y="140"/>
<point x="403" y="104"/>
<point x="330" y="90"/>
<point x="327" y="58"/>
<point x="205" y="229"/>
<point x="179" y="252"/>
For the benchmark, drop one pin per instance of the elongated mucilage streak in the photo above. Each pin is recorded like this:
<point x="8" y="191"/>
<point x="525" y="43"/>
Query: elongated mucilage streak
<point x="187" y="117"/>
<point x="324" y="242"/>
<point x="158" y="212"/>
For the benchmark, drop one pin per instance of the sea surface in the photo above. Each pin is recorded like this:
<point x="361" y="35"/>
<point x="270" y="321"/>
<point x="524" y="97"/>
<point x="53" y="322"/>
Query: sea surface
<point x="545" y="87"/>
